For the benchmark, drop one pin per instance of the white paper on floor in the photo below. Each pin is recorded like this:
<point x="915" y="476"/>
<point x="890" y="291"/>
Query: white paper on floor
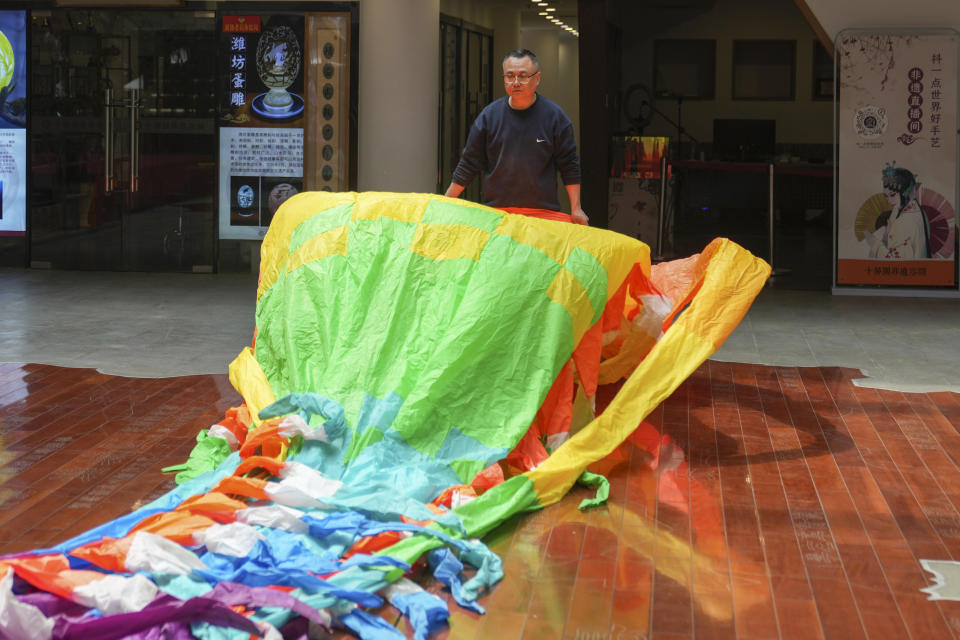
<point x="946" y="579"/>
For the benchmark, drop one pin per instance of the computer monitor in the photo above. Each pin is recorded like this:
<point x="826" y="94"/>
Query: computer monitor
<point x="744" y="140"/>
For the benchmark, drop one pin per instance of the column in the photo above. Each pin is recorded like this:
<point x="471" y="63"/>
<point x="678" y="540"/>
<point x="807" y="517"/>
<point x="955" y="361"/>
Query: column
<point x="397" y="95"/>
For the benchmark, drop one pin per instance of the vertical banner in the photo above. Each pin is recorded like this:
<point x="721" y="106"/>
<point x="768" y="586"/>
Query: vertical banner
<point x="261" y="116"/>
<point x="13" y="123"/>
<point x="897" y="158"/>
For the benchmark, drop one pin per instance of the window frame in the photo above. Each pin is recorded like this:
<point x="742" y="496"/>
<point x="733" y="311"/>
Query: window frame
<point x="759" y="96"/>
<point x="706" y="67"/>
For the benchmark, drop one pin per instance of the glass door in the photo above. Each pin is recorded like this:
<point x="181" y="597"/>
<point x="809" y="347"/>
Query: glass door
<point x="122" y="139"/>
<point x="466" y="65"/>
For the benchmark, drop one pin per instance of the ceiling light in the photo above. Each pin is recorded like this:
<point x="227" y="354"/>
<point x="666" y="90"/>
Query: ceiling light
<point x="543" y="13"/>
<point x="541" y="4"/>
<point x="550" y="9"/>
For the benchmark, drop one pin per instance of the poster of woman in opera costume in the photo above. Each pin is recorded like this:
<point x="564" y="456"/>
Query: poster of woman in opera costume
<point x="907" y="220"/>
<point x="897" y="180"/>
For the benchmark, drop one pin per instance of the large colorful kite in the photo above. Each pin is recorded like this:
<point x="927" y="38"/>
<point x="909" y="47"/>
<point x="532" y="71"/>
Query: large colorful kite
<point x="422" y="369"/>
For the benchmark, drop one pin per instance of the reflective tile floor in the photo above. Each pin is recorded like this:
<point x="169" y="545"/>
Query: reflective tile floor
<point x="759" y="501"/>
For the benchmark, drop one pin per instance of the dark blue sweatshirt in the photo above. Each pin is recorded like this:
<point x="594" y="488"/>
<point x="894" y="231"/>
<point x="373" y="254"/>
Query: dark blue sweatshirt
<point x="520" y="153"/>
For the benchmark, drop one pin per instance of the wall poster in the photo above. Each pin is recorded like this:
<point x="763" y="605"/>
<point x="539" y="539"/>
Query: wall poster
<point x="13" y="123"/>
<point x="261" y="118"/>
<point x="897" y="158"/>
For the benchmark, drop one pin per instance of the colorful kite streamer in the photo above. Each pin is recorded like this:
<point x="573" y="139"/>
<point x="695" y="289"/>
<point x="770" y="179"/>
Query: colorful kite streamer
<point x="422" y="369"/>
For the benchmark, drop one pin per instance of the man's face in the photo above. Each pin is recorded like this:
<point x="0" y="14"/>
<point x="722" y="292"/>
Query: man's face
<point x="520" y="78"/>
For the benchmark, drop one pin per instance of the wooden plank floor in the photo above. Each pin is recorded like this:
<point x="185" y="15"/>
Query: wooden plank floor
<point x="760" y="502"/>
<point x="78" y="448"/>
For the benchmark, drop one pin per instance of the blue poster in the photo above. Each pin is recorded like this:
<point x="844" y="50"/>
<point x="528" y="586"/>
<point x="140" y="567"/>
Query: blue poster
<point x="13" y="121"/>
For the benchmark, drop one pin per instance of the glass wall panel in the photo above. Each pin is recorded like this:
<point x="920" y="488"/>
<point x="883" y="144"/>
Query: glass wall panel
<point x="122" y="139"/>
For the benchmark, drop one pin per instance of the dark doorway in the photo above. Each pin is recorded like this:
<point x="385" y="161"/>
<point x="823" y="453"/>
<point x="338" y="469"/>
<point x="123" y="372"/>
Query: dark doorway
<point x="122" y="139"/>
<point x="466" y="87"/>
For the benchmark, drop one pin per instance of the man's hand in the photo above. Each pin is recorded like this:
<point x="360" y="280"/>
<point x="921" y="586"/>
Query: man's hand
<point x="577" y="216"/>
<point x="454" y="190"/>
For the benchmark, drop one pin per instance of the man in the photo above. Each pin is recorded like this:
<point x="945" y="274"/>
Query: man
<point x="520" y="142"/>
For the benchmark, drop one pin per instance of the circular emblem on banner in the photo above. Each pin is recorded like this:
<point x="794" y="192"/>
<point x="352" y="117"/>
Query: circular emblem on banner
<point x="870" y="121"/>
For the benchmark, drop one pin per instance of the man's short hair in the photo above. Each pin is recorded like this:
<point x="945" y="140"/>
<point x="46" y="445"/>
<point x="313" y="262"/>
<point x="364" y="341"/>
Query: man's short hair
<point x="522" y="53"/>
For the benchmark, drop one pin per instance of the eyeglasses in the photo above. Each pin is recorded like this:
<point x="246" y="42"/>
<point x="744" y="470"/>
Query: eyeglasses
<point x="521" y="78"/>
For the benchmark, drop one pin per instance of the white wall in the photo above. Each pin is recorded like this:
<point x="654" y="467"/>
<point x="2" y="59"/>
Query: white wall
<point x="836" y="15"/>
